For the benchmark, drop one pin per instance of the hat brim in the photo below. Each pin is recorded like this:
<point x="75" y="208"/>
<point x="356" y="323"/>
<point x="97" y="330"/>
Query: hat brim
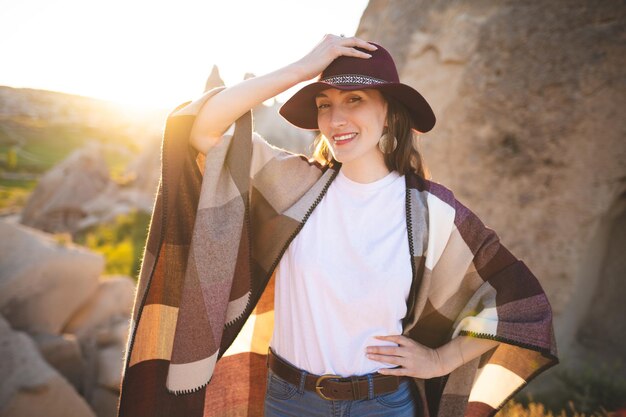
<point x="300" y="110"/>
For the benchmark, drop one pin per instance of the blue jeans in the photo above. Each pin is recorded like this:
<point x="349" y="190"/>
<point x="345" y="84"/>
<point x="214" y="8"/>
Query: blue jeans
<point x="284" y="399"/>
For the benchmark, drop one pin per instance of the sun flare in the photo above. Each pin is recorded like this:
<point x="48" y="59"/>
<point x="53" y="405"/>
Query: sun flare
<point x="154" y="54"/>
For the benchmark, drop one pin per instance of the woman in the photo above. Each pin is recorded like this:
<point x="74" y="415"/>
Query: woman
<point x="391" y="297"/>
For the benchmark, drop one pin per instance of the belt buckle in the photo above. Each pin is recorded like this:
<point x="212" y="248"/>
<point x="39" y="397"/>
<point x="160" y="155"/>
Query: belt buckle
<point x="318" y="388"/>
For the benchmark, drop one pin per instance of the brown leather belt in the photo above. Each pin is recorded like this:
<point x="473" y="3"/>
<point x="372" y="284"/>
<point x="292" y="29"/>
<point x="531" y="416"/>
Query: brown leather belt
<point x="333" y="387"/>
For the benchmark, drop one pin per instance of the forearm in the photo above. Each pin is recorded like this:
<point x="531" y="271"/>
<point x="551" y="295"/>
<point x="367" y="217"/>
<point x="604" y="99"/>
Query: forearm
<point x="221" y="111"/>
<point x="463" y="349"/>
<point x="228" y="105"/>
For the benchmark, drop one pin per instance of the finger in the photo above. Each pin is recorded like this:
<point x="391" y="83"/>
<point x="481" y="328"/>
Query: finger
<point x="393" y="360"/>
<point x="365" y="45"/>
<point x="397" y="338"/>
<point x="393" y="371"/>
<point x="385" y="350"/>
<point x="361" y="43"/>
<point x="358" y="42"/>
<point x="355" y="52"/>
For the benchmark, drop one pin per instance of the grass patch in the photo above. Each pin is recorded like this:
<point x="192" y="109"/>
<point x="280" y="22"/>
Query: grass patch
<point x="121" y="242"/>
<point x="591" y="389"/>
<point x="41" y="145"/>
<point x="31" y="147"/>
<point x="595" y="387"/>
<point x="14" y="193"/>
<point x="533" y="409"/>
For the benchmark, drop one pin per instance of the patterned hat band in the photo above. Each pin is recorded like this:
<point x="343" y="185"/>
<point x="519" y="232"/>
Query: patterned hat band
<point x="352" y="79"/>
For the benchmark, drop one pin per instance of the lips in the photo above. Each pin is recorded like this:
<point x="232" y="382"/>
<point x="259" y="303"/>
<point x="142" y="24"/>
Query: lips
<point x="344" y="138"/>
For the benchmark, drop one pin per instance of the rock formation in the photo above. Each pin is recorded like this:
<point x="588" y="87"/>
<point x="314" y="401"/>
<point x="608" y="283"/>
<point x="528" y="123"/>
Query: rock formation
<point x="63" y="327"/>
<point x="56" y="204"/>
<point x="214" y="79"/>
<point x="36" y="275"/>
<point x="529" y="135"/>
<point x="144" y="173"/>
<point x="136" y="192"/>
<point x="30" y="386"/>
<point x="277" y="131"/>
<point x="78" y="193"/>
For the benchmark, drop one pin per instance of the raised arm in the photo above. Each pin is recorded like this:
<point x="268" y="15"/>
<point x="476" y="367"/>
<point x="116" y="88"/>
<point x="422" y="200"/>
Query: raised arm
<point x="223" y="109"/>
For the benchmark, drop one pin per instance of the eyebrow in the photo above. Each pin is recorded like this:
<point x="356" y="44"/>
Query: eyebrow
<point x="340" y="92"/>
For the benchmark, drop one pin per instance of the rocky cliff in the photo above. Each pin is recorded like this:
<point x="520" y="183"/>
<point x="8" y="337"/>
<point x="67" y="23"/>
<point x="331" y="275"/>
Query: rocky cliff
<point x="530" y="135"/>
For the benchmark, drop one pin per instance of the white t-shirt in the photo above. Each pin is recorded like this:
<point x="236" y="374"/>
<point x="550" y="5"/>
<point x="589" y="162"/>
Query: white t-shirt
<point x="345" y="278"/>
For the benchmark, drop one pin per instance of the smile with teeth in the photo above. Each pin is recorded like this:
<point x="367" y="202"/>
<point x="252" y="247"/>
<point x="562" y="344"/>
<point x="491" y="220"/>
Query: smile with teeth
<point x="344" y="137"/>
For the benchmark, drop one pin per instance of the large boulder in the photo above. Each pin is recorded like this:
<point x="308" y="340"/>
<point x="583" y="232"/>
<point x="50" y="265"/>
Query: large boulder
<point x="116" y="332"/>
<point x="110" y="362"/>
<point x="103" y="351"/>
<point x="104" y="402"/>
<point x="101" y="325"/>
<point x="56" y="204"/>
<point x="103" y="208"/>
<point x="43" y="281"/>
<point x="113" y="300"/>
<point x="31" y="387"/>
<point x="528" y="97"/>
<point x="144" y="173"/>
<point x="136" y="189"/>
<point x="63" y="353"/>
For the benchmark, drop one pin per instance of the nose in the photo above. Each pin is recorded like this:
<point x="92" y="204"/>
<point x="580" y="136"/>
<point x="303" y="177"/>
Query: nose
<point x="337" y="117"/>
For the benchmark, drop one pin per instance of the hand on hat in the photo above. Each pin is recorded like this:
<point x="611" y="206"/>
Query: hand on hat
<point x="330" y="48"/>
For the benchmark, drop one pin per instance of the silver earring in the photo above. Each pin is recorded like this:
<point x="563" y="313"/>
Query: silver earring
<point x="387" y="141"/>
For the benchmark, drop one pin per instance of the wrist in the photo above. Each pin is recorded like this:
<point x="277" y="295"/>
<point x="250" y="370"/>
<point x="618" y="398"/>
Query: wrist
<point x="300" y="72"/>
<point x="441" y="369"/>
<point x="450" y="356"/>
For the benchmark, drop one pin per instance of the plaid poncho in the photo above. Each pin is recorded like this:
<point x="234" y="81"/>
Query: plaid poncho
<point x="203" y="314"/>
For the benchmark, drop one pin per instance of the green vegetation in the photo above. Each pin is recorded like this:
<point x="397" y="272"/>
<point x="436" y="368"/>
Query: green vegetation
<point x="12" y="158"/>
<point x="596" y="389"/>
<point x="35" y="146"/>
<point x="30" y="147"/>
<point x="121" y="243"/>
<point x="533" y="409"/>
<point x="14" y="193"/>
<point x="43" y="129"/>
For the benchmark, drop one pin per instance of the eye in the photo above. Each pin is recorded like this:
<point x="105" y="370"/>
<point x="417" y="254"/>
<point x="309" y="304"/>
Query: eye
<point x="354" y="98"/>
<point x="322" y="106"/>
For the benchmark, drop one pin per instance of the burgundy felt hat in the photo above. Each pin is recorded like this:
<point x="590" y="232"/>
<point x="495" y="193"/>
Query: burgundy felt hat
<point x="352" y="73"/>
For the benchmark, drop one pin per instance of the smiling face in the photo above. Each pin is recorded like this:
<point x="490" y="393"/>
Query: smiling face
<point x="353" y="122"/>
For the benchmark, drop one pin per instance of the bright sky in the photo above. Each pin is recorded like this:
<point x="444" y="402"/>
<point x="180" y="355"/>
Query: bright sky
<point x="159" y="53"/>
